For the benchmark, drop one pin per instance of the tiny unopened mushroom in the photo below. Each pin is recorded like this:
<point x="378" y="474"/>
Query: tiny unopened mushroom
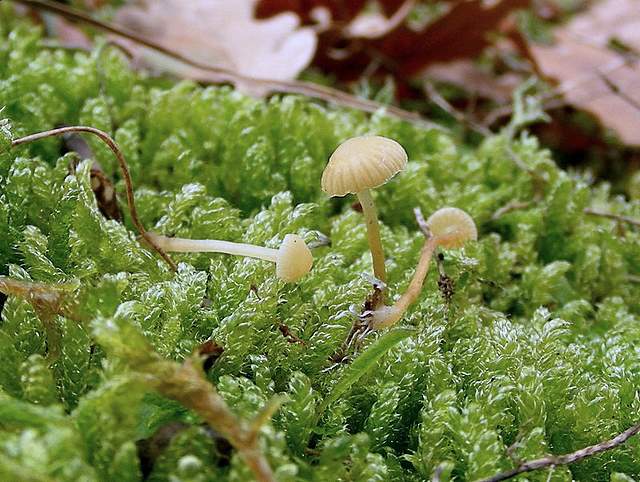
<point x="356" y="166"/>
<point x="449" y="228"/>
<point x="293" y="259"/>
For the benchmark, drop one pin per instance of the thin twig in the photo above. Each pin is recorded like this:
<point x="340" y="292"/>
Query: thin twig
<point x="507" y="208"/>
<point x="555" y="460"/>
<point x="461" y="117"/>
<point x="616" y="217"/>
<point x="123" y="167"/>
<point x="221" y="75"/>
<point x="422" y="223"/>
<point x="616" y="90"/>
<point x="437" y="98"/>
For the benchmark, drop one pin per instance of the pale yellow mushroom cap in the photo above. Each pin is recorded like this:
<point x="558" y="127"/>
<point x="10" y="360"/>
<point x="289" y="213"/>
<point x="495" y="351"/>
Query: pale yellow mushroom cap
<point x="294" y="259"/>
<point x="452" y="227"/>
<point x="362" y="163"/>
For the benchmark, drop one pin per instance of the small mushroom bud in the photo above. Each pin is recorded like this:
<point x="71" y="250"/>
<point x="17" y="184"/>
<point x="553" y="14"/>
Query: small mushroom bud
<point x="449" y="228"/>
<point x="358" y="165"/>
<point x="293" y="259"/>
<point x="452" y="227"/>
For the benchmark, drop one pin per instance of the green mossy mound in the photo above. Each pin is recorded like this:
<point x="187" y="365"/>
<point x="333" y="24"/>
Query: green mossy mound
<point x="538" y="351"/>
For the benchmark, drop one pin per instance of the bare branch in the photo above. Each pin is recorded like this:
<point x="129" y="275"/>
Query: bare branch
<point x="555" y="460"/>
<point x="218" y="75"/>
<point x="507" y="208"/>
<point x="123" y="167"/>
<point x="615" y="217"/>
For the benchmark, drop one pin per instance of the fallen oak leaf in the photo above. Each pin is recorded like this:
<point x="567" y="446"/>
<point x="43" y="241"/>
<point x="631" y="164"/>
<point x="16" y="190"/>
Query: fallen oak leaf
<point x="460" y="33"/>
<point x="592" y="74"/>
<point x="223" y="34"/>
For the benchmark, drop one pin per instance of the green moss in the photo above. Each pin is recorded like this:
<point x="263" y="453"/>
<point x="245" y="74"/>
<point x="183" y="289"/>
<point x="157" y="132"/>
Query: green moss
<point x="537" y="350"/>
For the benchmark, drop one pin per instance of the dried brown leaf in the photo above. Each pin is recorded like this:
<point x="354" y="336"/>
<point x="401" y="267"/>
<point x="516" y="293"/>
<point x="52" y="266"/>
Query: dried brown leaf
<point x="593" y="75"/>
<point x="360" y="37"/>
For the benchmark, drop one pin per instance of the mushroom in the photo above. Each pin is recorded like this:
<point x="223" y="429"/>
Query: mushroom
<point x="356" y="166"/>
<point x="293" y="259"/>
<point x="448" y="228"/>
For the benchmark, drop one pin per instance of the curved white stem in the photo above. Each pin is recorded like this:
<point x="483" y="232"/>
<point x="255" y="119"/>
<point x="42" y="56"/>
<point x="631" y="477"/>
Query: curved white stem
<point x="214" y="246"/>
<point x="389" y="315"/>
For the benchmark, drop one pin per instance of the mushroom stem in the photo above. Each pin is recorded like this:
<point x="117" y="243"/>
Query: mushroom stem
<point x="373" y="233"/>
<point x="215" y="246"/>
<point x="389" y="315"/>
<point x="415" y="286"/>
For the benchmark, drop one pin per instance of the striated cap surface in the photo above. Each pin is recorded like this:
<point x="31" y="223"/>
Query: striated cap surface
<point x="294" y="259"/>
<point x="362" y="163"/>
<point x="453" y="227"/>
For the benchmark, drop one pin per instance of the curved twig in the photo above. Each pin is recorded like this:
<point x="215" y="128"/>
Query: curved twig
<point x="555" y="460"/>
<point x="106" y="138"/>
<point x="222" y="75"/>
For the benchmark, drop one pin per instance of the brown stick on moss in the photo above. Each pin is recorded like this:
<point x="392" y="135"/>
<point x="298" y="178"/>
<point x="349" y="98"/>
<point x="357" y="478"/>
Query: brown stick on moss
<point x="187" y="384"/>
<point x="124" y="168"/>
<point x="616" y="217"/>
<point x="555" y="460"/>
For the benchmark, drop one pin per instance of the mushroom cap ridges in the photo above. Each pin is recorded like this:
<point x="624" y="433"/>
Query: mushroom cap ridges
<point x="294" y="259"/>
<point x="452" y="227"/>
<point x="362" y="163"/>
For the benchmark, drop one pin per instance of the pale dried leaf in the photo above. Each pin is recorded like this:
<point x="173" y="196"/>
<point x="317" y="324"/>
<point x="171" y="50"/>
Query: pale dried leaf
<point x="591" y="74"/>
<point x="222" y="34"/>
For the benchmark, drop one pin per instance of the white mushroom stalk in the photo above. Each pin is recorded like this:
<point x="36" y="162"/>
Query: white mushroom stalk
<point x="356" y="166"/>
<point x="449" y="228"/>
<point x="370" y="214"/>
<point x="293" y="259"/>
